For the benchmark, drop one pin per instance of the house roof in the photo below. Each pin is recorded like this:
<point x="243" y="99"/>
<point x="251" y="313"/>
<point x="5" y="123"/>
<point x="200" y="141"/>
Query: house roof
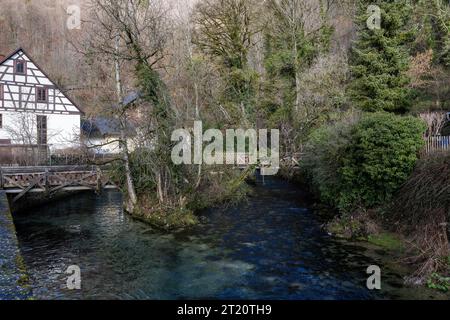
<point x="8" y="57"/>
<point x="43" y="71"/>
<point x="98" y="127"/>
<point x="129" y="99"/>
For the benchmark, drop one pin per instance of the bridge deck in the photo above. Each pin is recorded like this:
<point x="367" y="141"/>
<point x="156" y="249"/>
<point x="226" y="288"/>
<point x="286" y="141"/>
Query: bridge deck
<point x="40" y="190"/>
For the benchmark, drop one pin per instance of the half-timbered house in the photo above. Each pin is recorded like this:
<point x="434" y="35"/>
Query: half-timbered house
<point x="33" y="109"/>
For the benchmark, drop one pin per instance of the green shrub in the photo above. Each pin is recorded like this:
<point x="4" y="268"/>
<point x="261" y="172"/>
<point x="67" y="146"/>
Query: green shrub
<point x="381" y="156"/>
<point x="323" y="158"/>
<point x="362" y="162"/>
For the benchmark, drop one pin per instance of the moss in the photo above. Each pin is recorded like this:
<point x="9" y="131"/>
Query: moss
<point x="337" y="228"/>
<point x="166" y="219"/>
<point x="347" y="227"/>
<point x="439" y="282"/>
<point x="183" y="216"/>
<point x="388" y="241"/>
<point x="24" y="280"/>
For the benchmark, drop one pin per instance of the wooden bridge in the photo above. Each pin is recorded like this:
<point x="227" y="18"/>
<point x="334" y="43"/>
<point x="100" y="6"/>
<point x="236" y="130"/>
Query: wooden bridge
<point x="50" y="180"/>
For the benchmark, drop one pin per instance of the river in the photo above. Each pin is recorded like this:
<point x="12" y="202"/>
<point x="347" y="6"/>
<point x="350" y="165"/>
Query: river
<point x="269" y="247"/>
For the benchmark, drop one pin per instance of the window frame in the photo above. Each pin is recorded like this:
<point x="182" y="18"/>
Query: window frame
<point x="1" y="120"/>
<point x="42" y="130"/>
<point x="37" y="94"/>
<point x="16" y="62"/>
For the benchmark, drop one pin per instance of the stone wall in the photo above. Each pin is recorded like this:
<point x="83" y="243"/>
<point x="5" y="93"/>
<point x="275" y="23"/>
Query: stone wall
<point x="14" y="282"/>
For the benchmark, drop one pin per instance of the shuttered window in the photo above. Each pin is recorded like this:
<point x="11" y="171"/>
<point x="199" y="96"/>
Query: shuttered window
<point x="41" y="130"/>
<point x="41" y="95"/>
<point x="20" y="67"/>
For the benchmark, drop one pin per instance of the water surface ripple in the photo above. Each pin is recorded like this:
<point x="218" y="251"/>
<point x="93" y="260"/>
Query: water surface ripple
<point x="270" y="247"/>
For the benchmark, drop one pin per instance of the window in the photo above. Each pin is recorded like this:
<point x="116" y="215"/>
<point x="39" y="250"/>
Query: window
<point x="2" y="92"/>
<point x="41" y="94"/>
<point x="1" y="121"/>
<point x="41" y="130"/>
<point x="20" y="67"/>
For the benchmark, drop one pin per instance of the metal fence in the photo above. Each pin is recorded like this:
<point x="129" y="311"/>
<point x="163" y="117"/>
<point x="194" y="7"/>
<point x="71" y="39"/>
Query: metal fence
<point x="437" y="144"/>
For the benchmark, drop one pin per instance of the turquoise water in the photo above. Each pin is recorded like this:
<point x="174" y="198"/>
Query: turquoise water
<point x="270" y="247"/>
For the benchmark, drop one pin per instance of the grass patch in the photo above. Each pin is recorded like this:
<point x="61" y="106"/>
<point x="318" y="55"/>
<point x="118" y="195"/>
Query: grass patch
<point x="388" y="241"/>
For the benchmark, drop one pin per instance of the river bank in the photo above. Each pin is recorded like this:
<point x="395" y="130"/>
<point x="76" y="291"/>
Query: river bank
<point x="376" y="228"/>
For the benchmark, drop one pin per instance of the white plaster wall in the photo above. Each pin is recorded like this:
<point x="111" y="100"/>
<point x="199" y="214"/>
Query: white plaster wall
<point x="25" y="86"/>
<point x="63" y="130"/>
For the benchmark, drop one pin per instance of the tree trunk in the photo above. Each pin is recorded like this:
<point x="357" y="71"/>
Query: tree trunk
<point x="297" y="73"/>
<point x="159" y="188"/>
<point x="297" y="91"/>
<point x="131" y="200"/>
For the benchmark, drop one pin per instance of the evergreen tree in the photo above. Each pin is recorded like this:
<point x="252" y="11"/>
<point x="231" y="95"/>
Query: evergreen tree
<point x="380" y="58"/>
<point x="433" y="21"/>
<point x="297" y="33"/>
<point x="443" y="27"/>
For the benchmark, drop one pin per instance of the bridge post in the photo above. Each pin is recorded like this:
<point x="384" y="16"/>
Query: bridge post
<point x="46" y="182"/>
<point x="99" y="180"/>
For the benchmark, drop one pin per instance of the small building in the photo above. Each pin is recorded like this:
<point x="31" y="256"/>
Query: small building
<point x="101" y="135"/>
<point x="34" y="111"/>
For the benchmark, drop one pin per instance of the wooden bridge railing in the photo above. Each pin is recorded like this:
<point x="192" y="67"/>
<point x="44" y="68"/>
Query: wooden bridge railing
<point x="49" y="180"/>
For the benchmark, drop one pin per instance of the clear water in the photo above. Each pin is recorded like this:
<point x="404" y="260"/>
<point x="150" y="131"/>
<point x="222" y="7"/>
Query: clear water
<point x="271" y="247"/>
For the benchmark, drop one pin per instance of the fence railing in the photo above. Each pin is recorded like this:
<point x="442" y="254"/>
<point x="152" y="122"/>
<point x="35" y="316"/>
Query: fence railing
<point x="41" y="155"/>
<point x="437" y="144"/>
<point x="23" y="155"/>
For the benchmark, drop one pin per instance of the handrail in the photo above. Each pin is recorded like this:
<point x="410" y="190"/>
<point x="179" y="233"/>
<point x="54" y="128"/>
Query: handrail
<point x="42" y="169"/>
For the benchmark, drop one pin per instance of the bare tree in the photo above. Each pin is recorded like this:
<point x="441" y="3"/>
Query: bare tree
<point x="225" y="30"/>
<point x="435" y="122"/>
<point x="131" y="31"/>
<point x="23" y="131"/>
